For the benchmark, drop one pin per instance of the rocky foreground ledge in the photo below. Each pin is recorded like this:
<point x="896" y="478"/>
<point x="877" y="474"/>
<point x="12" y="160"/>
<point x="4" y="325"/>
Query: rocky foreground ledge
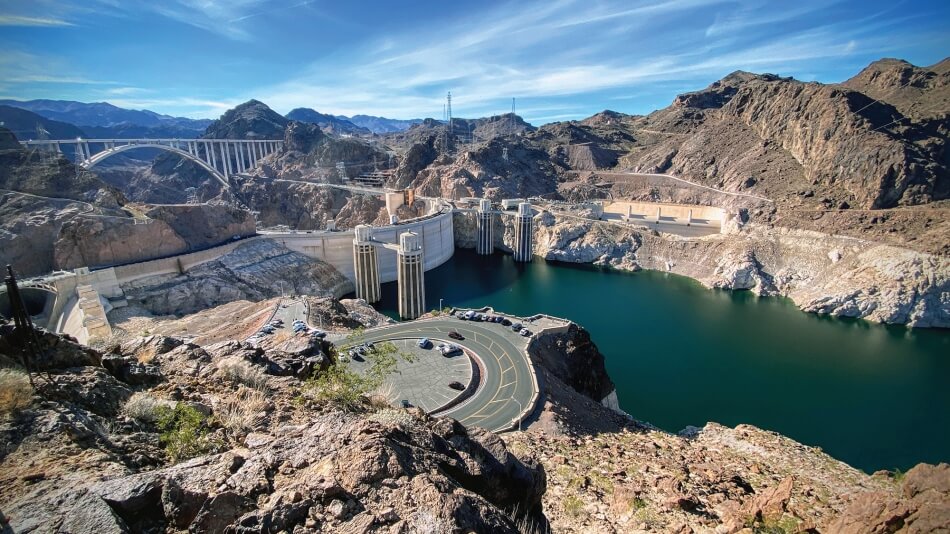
<point x="90" y="450"/>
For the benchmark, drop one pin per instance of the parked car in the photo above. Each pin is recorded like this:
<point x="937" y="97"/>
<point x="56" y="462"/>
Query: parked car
<point x="405" y="403"/>
<point x="516" y="327"/>
<point x="450" y="350"/>
<point x="455" y="335"/>
<point x="457" y="386"/>
<point x="505" y="322"/>
<point x="470" y="315"/>
<point x="425" y="343"/>
<point x="318" y="334"/>
<point x="525" y="332"/>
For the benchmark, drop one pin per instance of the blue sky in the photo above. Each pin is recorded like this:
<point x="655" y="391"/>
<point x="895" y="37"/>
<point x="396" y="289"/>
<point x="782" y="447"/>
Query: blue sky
<point x="562" y="59"/>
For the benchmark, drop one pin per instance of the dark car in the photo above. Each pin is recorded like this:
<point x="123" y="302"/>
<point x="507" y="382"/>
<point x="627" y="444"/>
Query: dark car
<point x="405" y="403"/>
<point x="455" y="335"/>
<point x="505" y="322"/>
<point x="457" y="386"/>
<point x="516" y="327"/>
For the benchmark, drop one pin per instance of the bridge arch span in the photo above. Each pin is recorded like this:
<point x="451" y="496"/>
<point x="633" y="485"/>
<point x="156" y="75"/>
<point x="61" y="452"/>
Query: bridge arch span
<point x="99" y="156"/>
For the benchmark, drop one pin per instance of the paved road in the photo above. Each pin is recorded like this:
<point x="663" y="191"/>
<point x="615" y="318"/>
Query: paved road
<point x="507" y="386"/>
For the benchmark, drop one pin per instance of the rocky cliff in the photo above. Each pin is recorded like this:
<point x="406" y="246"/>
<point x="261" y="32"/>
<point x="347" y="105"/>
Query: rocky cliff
<point x="820" y="273"/>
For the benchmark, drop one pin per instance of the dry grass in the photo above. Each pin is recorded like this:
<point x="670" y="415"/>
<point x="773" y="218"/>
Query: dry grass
<point x="144" y="407"/>
<point x="382" y="397"/>
<point x="242" y="412"/>
<point x="242" y="372"/>
<point x="15" y="390"/>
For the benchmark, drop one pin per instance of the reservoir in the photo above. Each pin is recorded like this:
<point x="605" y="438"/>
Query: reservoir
<point x="874" y="396"/>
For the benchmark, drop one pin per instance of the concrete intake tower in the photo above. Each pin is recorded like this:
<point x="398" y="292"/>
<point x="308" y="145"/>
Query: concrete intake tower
<point x="410" y="272"/>
<point x="365" y="264"/>
<point x="485" y="243"/>
<point x="523" y="233"/>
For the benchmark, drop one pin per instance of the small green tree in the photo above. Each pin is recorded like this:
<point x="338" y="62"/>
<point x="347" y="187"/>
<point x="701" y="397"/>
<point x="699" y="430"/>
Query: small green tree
<point x="345" y="387"/>
<point x="184" y="431"/>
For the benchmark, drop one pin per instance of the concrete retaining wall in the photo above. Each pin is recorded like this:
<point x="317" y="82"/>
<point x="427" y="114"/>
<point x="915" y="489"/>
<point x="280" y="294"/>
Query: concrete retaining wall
<point x="677" y="211"/>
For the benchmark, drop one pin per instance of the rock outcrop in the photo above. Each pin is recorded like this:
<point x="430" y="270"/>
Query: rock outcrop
<point x="87" y="458"/>
<point x="821" y="273"/>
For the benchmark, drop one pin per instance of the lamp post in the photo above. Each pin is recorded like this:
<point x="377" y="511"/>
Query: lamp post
<point x="440" y="306"/>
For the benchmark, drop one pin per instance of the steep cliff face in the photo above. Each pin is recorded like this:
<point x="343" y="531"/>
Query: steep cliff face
<point x="94" y="240"/>
<point x="573" y="358"/>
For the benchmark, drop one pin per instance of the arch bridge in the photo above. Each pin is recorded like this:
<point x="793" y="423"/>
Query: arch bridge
<point x="220" y="157"/>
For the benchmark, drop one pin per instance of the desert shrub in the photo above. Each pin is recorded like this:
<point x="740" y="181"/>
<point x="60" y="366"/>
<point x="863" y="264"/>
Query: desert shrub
<point x="144" y="408"/>
<point x="573" y="506"/>
<point x="240" y="371"/>
<point x="241" y="412"/>
<point x="348" y="389"/>
<point x="382" y="397"/>
<point x="184" y="431"/>
<point x="15" y="390"/>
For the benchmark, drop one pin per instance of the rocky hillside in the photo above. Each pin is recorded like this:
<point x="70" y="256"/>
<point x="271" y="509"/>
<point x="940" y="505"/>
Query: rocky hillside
<point x="250" y="451"/>
<point x="918" y="93"/>
<point x="827" y="157"/>
<point x="257" y="270"/>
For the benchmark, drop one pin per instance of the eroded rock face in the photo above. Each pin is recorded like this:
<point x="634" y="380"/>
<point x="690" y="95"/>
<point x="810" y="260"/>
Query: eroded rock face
<point x="574" y="359"/>
<point x="103" y="241"/>
<point x="821" y="273"/>
<point x="923" y="506"/>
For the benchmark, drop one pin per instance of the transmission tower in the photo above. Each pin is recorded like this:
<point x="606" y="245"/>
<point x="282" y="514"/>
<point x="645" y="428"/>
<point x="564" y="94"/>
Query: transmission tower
<point x="512" y="118"/>
<point x="448" y="121"/>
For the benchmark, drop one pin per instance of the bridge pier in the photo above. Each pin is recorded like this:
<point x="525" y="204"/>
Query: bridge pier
<point x="523" y="233"/>
<point x="410" y="273"/>
<point x="366" y="264"/>
<point x="485" y="244"/>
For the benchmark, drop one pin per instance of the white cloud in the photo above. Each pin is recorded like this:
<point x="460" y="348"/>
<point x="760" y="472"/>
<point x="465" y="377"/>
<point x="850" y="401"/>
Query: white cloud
<point x="20" y="20"/>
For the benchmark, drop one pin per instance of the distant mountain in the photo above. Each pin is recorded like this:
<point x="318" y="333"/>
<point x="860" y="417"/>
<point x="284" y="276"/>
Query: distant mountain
<point x="380" y="125"/>
<point x="326" y="122"/>
<point x="28" y="125"/>
<point x="104" y="114"/>
<point x="250" y="120"/>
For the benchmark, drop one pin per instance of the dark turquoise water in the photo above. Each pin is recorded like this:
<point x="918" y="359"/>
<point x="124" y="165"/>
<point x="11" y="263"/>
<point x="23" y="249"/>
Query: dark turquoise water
<point x="874" y="396"/>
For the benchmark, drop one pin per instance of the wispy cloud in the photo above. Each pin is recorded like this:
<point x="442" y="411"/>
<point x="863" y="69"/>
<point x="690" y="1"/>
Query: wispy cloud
<point x="122" y="91"/>
<point x="19" y="20"/>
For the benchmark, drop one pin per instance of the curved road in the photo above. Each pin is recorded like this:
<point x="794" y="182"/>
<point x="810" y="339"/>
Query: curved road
<point x="506" y="388"/>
